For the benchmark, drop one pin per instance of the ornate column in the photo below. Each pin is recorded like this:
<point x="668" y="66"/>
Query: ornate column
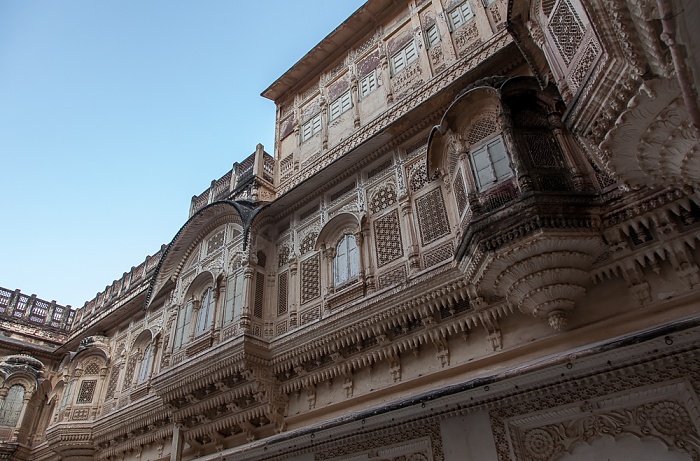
<point x="248" y="272"/>
<point x="25" y="403"/>
<point x="522" y="175"/>
<point x="324" y="121"/>
<point x="293" y="291"/>
<point x="359" y="241"/>
<point x="385" y="73"/>
<point x="355" y="95"/>
<point x="193" y="325"/>
<point x="369" y="258"/>
<point x="219" y="306"/>
<point x="408" y="224"/>
<point x="568" y="148"/>
<point x="460" y="148"/>
<point x="328" y="253"/>
<point x="176" y="447"/>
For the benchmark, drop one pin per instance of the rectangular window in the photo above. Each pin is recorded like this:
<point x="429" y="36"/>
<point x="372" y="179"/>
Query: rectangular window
<point x="205" y="312"/>
<point x="340" y="105"/>
<point x="182" y="329"/>
<point x="311" y="127"/>
<point x="234" y="297"/>
<point x="432" y="36"/>
<point x="460" y="15"/>
<point x="368" y="83"/>
<point x="404" y="57"/>
<point x="491" y="164"/>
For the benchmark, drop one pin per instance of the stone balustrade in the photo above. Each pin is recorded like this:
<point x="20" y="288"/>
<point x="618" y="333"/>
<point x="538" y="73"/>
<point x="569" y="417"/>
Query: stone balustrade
<point x="18" y="307"/>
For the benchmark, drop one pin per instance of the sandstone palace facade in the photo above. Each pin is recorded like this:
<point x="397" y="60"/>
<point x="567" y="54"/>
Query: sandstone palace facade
<point x="476" y="239"/>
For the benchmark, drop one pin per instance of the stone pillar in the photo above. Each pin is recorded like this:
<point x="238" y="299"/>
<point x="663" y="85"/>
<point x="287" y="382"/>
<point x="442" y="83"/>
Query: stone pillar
<point x="219" y="301"/>
<point x="328" y="253"/>
<point x="193" y="322"/>
<point x="570" y="150"/>
<point x="460" y="148"/>
<point x="324" y="121"/>
<point x="359" y="240"/>
<point x="248" y="272"/>
<point x="293" y="288"/>
<point x="408" y="225"/>
<point x="369" y="258"/>
<point x="178" y="439"/>
<point x="448" y="47"/>
<point x="522" y="175"/>
<point x="18" y="425"/>
<point x="386" y="73"/>
<point x="355" y="95"/>
<point x="3" y="395"/>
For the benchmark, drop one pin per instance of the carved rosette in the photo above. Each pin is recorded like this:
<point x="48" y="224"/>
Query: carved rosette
<point x="543" y="276"/>
<point x="652" y="142"/>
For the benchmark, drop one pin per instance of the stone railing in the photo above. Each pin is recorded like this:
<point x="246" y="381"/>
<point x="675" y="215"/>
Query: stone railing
<point x="18" y="307"/>
<point x="259" y="164"/>
<point x="119" y="289"/>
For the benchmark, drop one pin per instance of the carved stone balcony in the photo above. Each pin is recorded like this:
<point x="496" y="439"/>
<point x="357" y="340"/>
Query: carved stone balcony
<point x="534" y="253"/>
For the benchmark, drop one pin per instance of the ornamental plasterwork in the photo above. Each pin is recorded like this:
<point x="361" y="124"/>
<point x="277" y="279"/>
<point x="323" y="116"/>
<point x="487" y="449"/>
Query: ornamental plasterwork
<point x="653" y="141"/>
<point x="542" y="276"/>
<point x="669" y="413"/>
<point x="348" y="207"/>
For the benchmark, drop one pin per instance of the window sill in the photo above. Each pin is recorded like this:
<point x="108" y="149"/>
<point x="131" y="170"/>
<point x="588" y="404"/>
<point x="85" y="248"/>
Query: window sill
<point x="346" y="293"/>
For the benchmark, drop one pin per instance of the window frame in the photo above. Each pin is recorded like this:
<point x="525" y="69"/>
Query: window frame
<point x="145" y="365"/>
<point x="429" y="43"/>
<point x="497" y="178"/>
<point x="9" y="417"/>
<point x="404" y="58"/>
<point x="340" y="105"/>
<point x="370" y="81"/>
<point x="205" y="312"/>
<point x="234" y="296"/>
<point x="463" y="17"/>
<point x="182" y="326"/>
<point x="350" y="270"/>
<point x="314" y="125"/>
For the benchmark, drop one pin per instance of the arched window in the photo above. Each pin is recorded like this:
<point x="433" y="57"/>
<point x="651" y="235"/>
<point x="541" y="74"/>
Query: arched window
<point x="146" y="363"/>
<point x="12" y="406"/>
<point x="205" y="313"/>
<point x="182" y="328"/>
<point x="346" y="264"/>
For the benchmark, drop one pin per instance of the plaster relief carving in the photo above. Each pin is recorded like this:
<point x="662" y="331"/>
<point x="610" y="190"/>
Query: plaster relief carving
<point x="653" y="141"/>
<point x="667" y="413"/>
<point x="542" y="276"/>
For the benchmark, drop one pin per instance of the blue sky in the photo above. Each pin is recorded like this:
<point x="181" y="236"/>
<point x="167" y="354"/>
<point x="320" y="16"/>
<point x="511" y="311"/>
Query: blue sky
<point x="114" y="114"/>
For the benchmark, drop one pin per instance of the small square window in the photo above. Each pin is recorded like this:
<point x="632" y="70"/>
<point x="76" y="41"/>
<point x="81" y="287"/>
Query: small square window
<point x="368" y="83"/>
<point x="491" y="164"/>
<point x="460" y="16"/>
<point x="432" y="36"/>
<point x="404" y="57"/>
<point x="311" y="127"/>
<point x="340" y="105"/>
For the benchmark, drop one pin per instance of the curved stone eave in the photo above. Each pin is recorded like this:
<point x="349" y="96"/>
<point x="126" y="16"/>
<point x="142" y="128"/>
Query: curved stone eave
<point x="178" y="247"/>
